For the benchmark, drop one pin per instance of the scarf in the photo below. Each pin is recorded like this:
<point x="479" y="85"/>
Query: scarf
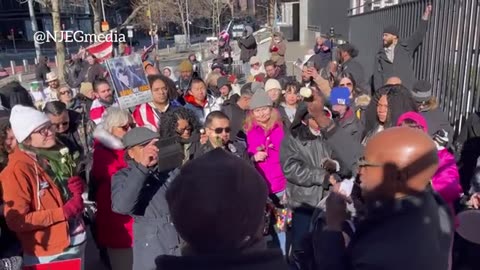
<point x="45" y="158"/>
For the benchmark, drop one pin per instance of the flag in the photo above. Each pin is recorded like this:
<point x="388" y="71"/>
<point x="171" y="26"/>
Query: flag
<point x="102" y="50"/>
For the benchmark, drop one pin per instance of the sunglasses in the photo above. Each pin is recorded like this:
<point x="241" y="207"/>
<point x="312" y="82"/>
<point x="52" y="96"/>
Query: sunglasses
<point x="221" y="130"/>
<point x="362" y="163"/>
<point x="128" y="126"/>
<point x="63" y="124"/>
<point x="65" y="93"/>
<point x="346" y="84"/>
<point x="181" y="131"/>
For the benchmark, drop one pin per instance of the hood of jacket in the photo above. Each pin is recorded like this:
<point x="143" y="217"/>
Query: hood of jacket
<point x="106" y="139"/>
<point x="249" y="30"/>
<point x="297" y="128"/>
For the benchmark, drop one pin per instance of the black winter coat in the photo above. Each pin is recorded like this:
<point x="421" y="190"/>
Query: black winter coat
<point x="248" y="48"/>
<point x="468" y="148"/>
<point x="437" y="120"/>
<point x="140" y="193"/>
<point x="402" y="66"/>
<point x="352" y="125"/>
<point x="395" y="235"/>
<point x="258" y="260"/>
<point x="301" y="156"/>
<point x="236" y="116"/>
<point x="356" y="69"/>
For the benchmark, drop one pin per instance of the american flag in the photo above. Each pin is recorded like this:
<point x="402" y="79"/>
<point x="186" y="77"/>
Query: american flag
<point x="102" y="50"/>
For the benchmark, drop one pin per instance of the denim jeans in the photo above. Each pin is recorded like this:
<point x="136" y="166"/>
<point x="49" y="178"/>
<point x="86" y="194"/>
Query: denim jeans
<point x="77" y="252"/>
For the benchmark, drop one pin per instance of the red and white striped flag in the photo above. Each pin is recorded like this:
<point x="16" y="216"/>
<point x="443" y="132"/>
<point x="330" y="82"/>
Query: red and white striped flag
<point x="102" y="50"/>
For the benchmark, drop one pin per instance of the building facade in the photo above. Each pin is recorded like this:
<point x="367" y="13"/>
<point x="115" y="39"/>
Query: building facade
<point x="74" y="14"/>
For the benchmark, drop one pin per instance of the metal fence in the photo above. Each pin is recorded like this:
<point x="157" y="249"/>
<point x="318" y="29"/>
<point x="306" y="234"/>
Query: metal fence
<point x="448" y="57"/>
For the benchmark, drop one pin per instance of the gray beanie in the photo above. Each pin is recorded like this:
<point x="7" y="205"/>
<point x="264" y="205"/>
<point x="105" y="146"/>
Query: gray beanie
<point x="260" y="99"/>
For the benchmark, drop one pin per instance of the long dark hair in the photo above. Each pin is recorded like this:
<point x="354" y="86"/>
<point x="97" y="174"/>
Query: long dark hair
<point x="400" y="101"/>
<point x="168" y="125"/>
<point x="356" y="90"/>
<point x="171" y="89"/>
<point x="13" y="94"/>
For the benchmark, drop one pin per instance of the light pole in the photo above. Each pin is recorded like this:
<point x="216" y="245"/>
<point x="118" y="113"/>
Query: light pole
<point x="188" y="23"/>
<point x="33" y="21"/>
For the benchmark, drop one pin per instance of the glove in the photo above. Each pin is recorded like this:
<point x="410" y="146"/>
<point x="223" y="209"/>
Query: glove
<point x="73" y="207"/>
<point x="274" y="49"/>
<point x="75" y="185"/>
<point x="330" y="165"/>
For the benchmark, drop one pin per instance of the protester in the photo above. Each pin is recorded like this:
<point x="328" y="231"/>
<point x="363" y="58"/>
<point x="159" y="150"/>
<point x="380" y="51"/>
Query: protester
<point x="446" y="180"/>
<point x="73" y="131"/>
<point x="236" y="109"/>
<point x="169" y="73"/>
<point x="199" y="102"/>
<point x="104" y="99"/>
<point x="149" y="114"/>
<point x="311" y="76"/>
<point x="113" y="231"/>
<point x="218" y="131"/>
<point x="264" y="130"/>
<point x="273" y="71"/>
<point x="139" y="191"/>
<point x="396" y="56"/>
<point x="393" y="81"/>
<point x="124" y="49"/>
<point x="429" y="108"/>
<point x="358" y="98"/>
<point x="65" y="96"/>
<point x="95" y="71"/>
<point x="229" y="221"/>
<point x="224" y="55"/>
<point x="197" y="67"/>
<point x="248" y="48"/>
<point x="182" y="124"/>
<point x="212" y="83"/>
<point x="394" y="174"/>
<point x="303" y="153"/>
<point x="274" y="91"/>
<point x="389" y="102"/>
<point x="186" y="70"/>
<point x="55" y="206"/>
<point x="323" y="51"/>
<point x="256" y="68"/>
<point x="346" y="54"/>
<point x="86" y="95"/>
<point x="8" y="143"/>
<point x="41" y="69"/>
<point x="150" y="68"/>
<point x="341" y="105"/>
<point x="224" y="87"/>
<point x="75" y="71"/>
<point x="51" y="91"/>
<point x="289" y="104"/>
<point x="278" y="48"/>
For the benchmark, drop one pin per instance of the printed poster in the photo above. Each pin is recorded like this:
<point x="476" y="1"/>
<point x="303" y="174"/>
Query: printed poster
<point x="129" y="80"/>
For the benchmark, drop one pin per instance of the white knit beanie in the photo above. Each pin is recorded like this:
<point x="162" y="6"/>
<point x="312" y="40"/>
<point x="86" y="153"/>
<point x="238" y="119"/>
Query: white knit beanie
<point x="272" y="84"/>
<point x="24" y="120"/>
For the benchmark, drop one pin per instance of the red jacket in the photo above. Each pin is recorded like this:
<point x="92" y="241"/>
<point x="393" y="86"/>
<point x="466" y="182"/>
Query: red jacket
<point x="113" y="230"/>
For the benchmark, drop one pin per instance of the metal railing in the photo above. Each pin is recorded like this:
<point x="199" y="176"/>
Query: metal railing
<point x="448" y="58"/>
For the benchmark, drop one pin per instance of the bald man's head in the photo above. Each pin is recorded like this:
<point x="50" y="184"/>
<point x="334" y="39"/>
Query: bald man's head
<point x="397" y="161"/>
<point x="394" y="81"/>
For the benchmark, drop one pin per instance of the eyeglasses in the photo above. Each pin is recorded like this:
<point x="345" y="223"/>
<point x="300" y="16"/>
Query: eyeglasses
<point x="362" y="163"/>
<point x="45" y="130"/>
<point x="221" y="130"/>
<point x="346" y="85"/>
<point x="63" y="124"/>
<point x="182" y="131"/>
<point x="128" y="126"/>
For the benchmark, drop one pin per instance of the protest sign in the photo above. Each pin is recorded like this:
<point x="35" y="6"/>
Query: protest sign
<point x="129" y="80"/>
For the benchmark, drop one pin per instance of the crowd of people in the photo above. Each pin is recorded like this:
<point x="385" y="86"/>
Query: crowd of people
<point x="335" y="171"/>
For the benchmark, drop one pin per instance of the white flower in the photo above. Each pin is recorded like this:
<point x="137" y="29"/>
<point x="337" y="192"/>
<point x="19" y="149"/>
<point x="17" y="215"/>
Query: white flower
<point x="64" y="151"/>
<point x="63" y="160"/>
<point x="306" y="92"/>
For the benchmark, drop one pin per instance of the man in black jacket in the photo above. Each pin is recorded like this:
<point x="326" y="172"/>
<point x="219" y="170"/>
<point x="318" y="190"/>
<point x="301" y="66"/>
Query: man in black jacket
<point x="217" y="128"/>
<point x="406" y="226"/>
<point x="139" y="191"/>
<point x="346" y="54"/>
<point x="395" y="58"/>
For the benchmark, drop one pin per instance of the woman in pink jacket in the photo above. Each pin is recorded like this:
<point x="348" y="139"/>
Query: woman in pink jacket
<point x="264" y="130"/>
<point x="446" y="181"/>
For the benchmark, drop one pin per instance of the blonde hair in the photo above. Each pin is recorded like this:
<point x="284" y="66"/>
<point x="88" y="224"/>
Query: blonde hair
<point x="115" y="117"/>
<point x="274" y="119"/>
